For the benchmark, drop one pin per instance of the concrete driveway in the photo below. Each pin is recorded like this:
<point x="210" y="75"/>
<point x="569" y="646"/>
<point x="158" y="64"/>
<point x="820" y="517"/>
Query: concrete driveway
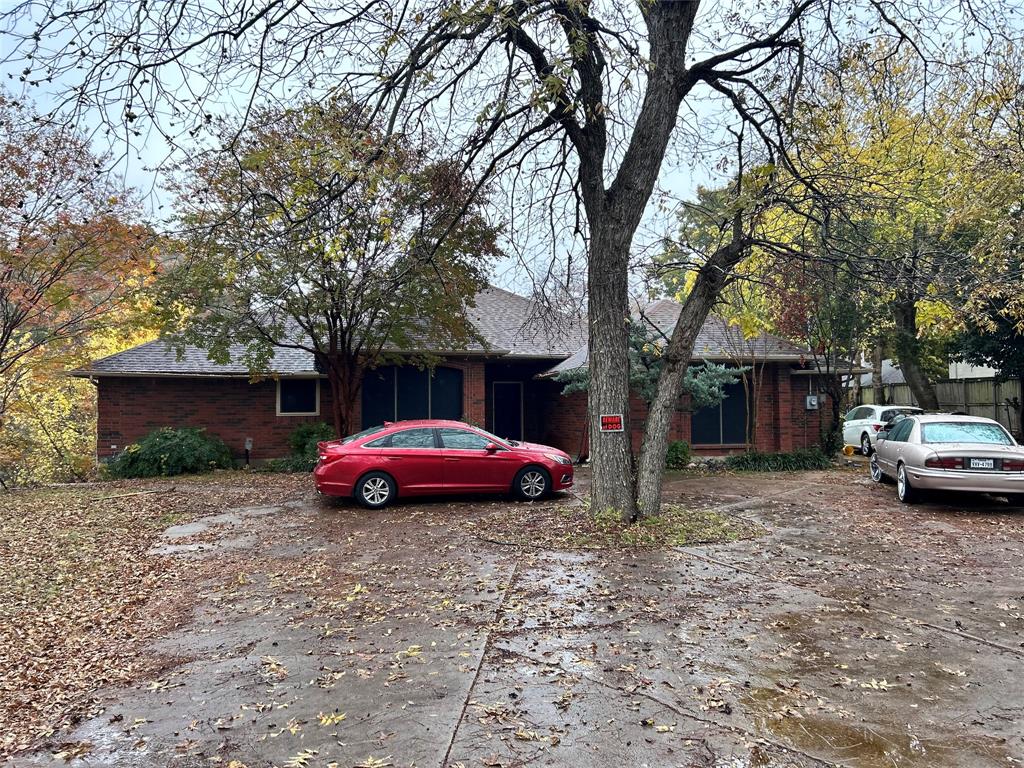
<point x="855" y="632"/>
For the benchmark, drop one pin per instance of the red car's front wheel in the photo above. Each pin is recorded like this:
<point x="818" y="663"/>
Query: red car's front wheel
<point x="531" y="483"/>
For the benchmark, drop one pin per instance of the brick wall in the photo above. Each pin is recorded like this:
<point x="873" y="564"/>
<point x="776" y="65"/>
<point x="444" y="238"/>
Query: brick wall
<point x="232" y="409"/>
<point x="782" y="422"/>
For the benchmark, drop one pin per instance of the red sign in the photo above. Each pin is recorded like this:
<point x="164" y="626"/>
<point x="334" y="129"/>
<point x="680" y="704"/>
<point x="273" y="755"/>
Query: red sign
<point x="611" y="422"/>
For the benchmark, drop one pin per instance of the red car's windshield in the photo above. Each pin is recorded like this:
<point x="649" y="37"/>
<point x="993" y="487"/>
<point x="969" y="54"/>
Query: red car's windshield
<point x="964" y="432"/>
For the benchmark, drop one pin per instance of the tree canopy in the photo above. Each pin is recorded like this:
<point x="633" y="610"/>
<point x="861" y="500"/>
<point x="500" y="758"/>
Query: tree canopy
<point x="293" y="240"/>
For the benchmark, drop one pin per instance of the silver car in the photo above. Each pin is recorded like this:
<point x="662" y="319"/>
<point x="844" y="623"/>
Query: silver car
<point x="949" y="453"/>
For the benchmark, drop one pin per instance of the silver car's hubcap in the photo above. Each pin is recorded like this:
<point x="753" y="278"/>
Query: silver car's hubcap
<point x="532" y="484"/>
<point x="376" y="490"/>
<point x="901" y="482"/>
<point x="876" y="471"/>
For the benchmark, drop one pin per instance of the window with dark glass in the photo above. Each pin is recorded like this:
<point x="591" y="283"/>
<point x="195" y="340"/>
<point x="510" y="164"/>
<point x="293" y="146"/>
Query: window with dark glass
<point x="398" y="393"/>
<point x="298" y="396"/>
<point x="722" y="424"/>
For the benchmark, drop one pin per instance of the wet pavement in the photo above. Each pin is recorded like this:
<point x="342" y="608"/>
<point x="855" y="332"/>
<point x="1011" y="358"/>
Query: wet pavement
<point x="857" y="632"/>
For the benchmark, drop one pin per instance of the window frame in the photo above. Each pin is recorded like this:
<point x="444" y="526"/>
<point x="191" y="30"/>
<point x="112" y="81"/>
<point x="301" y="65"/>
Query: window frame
<point x="299" y="413"/>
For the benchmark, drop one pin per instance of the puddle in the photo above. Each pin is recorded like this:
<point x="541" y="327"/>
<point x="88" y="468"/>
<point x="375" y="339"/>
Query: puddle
<point x="861" y="746"/>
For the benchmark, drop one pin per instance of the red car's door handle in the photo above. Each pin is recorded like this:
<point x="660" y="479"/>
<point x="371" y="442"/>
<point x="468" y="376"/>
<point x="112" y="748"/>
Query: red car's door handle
<point x="451" y="458"/>
<point x="393" y="458"/>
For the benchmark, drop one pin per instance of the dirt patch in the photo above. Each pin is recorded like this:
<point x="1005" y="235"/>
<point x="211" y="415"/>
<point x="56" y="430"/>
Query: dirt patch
<point x="80" y="598"/>
<point x="567" y="526"/>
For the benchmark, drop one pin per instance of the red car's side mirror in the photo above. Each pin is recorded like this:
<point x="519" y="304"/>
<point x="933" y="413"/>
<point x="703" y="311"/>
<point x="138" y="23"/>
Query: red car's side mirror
<point x="491" y="447"/>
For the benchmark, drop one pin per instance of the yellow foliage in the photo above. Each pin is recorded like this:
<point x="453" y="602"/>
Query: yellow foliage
<point x="49" y="427"/>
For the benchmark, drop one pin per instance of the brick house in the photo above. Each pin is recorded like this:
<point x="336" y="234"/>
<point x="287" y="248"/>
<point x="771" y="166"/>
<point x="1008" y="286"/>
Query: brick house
<point x="504" y="385"/>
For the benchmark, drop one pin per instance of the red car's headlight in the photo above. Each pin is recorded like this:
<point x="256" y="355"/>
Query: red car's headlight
<point x="558" y="459"/>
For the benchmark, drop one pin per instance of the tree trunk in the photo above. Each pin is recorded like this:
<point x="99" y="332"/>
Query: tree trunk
<point x="710" y="279"/>
<point x="908" y="353"/>
<point x="344" y="379"/>
<point x="613" y="215"/>
<point x="877" y="386"/>
<point x="608" y="306"/>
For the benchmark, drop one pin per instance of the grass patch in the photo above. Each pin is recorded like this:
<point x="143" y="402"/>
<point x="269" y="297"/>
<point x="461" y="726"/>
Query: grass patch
<point x="568" y="527"/>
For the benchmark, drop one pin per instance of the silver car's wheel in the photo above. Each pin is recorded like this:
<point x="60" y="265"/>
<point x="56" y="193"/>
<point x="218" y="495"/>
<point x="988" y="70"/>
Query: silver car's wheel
<point x="532" y="483"/>
<point x="375" y="490"/>
<point x="865" y="445"/>
<point x="876" y="471"/>
<point x="904" y="490"/>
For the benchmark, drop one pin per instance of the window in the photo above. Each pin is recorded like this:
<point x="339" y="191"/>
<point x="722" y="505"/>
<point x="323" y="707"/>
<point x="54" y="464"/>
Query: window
<point x="964" y="432"/>
<point x="298" y="397"/>
<point x="901" y="431"/>
<point x="395" y="393"/>
<point x="859" y="413"/>
<point x="413" y="438"/>
<point x="463" y="440"/>
<point x="722" y="424"/>
<point x="357" y="435"/>
<point x="891" y="413"/>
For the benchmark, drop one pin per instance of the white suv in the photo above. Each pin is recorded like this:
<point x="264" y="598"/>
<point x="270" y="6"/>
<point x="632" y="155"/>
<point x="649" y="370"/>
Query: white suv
<point x="862" y="424"/>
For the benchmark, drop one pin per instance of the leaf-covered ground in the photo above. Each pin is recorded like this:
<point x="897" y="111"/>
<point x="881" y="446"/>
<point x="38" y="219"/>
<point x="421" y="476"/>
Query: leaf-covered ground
<point x="850" y="631"/>
<point x="80" y="596"/>
<point x="574" y="526"/>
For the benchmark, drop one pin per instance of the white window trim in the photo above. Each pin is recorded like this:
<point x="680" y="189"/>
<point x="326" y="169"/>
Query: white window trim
<point x="297" y="413"/>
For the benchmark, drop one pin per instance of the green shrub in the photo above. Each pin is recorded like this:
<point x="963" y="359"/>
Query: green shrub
<point x="805" y="458"/>
<point x="304" y="437"/>
<point x="302" y="440"/>
<point x="169" y="451"/>
<point x="678" y="456"/>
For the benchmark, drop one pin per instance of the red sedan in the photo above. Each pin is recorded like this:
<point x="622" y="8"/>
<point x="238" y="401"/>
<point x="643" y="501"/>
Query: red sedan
<point x="419" y="458"/>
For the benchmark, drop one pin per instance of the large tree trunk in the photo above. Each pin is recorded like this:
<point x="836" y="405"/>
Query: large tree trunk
<point x="613" y="217"/>
<point x="608" y="306"/>
<point x="710" y="279"/>
<point x="908" y="353"/>
<point x="877" y="386"/>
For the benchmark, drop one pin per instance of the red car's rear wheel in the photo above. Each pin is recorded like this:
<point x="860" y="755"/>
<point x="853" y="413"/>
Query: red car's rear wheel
<point x="376" y="490"/>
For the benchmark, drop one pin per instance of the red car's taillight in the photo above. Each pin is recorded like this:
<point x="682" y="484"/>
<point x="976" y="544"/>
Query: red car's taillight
<point x="947" y="463"/>
<point x="330" y="458"/>
<point x="1012" y="465"/>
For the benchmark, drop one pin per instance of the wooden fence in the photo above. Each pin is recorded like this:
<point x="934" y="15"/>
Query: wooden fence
<point x="977" y="397"/>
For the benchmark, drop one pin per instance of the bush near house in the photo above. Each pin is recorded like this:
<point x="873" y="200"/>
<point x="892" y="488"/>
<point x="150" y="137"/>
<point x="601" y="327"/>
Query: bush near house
<point x="803" y="459"/>
<point x="678" y="456"/>
<point x="168" y="451"/>
<point x="302" y="440"/>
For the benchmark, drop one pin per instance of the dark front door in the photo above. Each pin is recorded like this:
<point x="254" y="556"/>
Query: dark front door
<point x="507" y="406"/>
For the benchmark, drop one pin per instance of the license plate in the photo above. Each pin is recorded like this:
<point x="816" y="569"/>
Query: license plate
<point x="983" y="463"/>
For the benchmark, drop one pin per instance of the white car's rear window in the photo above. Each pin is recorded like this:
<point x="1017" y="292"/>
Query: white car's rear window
<point x="964" y="432"/>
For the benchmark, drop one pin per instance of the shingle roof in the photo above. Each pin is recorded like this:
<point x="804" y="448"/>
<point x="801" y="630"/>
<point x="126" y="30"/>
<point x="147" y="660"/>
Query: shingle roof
<point x="717" y="340"/>
<point x="508" y="323"/>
